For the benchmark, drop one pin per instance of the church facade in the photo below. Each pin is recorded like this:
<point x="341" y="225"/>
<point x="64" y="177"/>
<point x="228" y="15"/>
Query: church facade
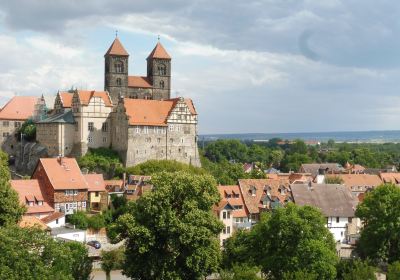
<point x="134" y="115"/>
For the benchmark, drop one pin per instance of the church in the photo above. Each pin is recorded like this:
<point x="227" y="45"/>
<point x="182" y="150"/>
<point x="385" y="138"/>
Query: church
<point x="133" y="115"/>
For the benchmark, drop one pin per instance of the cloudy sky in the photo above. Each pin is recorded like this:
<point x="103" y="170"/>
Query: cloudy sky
<point x="250" y="66"/>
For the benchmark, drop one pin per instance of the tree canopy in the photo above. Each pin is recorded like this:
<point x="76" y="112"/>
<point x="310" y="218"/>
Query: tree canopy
<point x="289" y="241"/>
<point x="171" y="233"/>
<point x="380" y="212"/>
<point x="32" y="254"/>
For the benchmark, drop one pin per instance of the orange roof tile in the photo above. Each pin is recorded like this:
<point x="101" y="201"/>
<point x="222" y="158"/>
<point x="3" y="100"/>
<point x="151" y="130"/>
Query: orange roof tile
<point x="30" y="190"/>
<point x="95" y="182"/>
<point x="159" y="52"/>
<point x="66" y="99"/>
<point x="86" y="95"/>
<point x="116" y="48"/>
<point x="225" y="191"/>
<point x="52" y="217"/>
<point x="364" y="180"/>
<point x="139" y="82"/>
<point x="148" y="112"/>
<point x="32" y="221"/>
<point x="390" y="177"/>
<point x="64" y="173"/>
<point x="19" y="108"/>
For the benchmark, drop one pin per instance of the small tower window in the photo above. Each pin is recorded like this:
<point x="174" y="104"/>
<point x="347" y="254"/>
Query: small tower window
<point x="162" y="84"/>
<point x="119" y="82"/>
<point x="119" y="67"/>
<point x="162" y="70"/>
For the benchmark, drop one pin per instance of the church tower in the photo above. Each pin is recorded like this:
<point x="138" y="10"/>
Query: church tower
<point x="116" y="71"/>
<point x="159" y="72"/>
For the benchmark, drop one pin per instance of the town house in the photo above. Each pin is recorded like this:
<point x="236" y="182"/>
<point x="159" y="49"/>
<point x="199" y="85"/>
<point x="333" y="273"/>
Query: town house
<point x="63" y="183"/>
<point x="240" y="214"/>
<point x="224" y="211"/>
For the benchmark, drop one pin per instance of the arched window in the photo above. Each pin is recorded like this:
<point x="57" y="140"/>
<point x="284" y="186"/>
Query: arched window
<point x="119" y="82"/>
<point x="161" y="84"/>
<point x="119" y="67"/>
<point x="162" y="70"/>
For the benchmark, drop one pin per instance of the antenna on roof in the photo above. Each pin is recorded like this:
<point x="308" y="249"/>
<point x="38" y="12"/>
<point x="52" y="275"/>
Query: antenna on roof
<point x="116" y="33"/>
<point x="158" y="37"/>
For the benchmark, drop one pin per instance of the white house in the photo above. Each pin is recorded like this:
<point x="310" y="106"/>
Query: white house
<point x="224" y="212"/>
<point x="335" y="202"/>
<point x="69" y="234"/>
<point x="55" y="220"/>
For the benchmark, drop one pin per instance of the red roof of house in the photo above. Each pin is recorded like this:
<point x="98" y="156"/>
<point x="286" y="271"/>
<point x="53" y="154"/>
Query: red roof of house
<point x="32" y="221"/>
<point x="95" y="182"/>
<point x="19" y="108"/>
<point x="225" y="191"/>
<point x="64" y="173"/>
<point x="52" y="217"/>
<point x="116" y="48"/>
<point x="159" y="52"/>
<point x="86" y="95"/>
<point x="30" y="190"/>
<point x="139" y="82"/>
<point x="66" y="99"/>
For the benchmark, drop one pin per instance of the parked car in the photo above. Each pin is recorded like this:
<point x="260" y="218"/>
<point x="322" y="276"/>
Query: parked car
<point x="95" y="244"/>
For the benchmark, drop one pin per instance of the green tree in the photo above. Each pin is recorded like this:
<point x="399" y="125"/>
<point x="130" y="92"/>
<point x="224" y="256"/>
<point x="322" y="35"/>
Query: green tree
<point x="79" y="219"/>
<point x="359" y="270"/>
<point x="96" y="222"/>
<point x="102" y="160"/>
<point x="32" y="254"/>
<point x="237" y="250"/>
<point x="151" y="167"/>
<point x="394" y="271"/>
<point x="300" y="275"/>
<point x="298" y="147"/>
<point x="81" y="265"/>
<point x="294" y="238"/>
<point x="231" y="150"/>
<point x="276" y="156"/>
<point x="171" y="233"/>
<point x="11" y="210"/>
<point x="111" y="260"/>
<point x="241" y="272"/>
<point x="293" y="162"/>
<point x="28" y="129"/>
<point x="380" y="212"/>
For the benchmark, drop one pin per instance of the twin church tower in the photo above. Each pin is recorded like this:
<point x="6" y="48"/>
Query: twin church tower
<point x="156" y="85"/>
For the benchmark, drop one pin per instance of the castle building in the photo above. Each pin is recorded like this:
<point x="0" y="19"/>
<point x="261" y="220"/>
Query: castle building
<point x="134" y="116"/>
<point x="156" y="85"/>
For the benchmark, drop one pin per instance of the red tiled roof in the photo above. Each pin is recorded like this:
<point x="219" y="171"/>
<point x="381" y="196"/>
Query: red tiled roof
<point x="116" y="48"/>
<point x="356" y="180"/>
<point x="390" y="177"/>
<point x="52" y="217"/>
<point x="32" y="221"/>
<point x="30" y="190"/>
<point x="231" y="190"/>
<point x="66" y="99"/>
<point x="19" y="108"/>
<point x="86" y="95"/>
<point x="95" y="182"/>
<point x="159" y="52"/>
<point x="139" y="82"/>
<point x="64" y="173"/>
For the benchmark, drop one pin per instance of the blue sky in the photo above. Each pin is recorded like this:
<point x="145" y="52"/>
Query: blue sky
<point x="250" y="66"/>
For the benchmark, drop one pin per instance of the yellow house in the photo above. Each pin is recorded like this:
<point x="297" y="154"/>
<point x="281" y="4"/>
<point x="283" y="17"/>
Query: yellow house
<point x="96" y="189"/>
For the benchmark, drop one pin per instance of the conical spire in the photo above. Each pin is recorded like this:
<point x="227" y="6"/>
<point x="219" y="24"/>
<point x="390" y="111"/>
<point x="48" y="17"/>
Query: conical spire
<point x="117" y="48"/>
<point x="159" y="52"/>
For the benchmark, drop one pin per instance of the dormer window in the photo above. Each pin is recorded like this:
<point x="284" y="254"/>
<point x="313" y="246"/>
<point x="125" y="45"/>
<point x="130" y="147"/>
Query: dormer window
<point x="282" y="190"/>
<point x="267" y="190"/>
<point x="252" y="191"/>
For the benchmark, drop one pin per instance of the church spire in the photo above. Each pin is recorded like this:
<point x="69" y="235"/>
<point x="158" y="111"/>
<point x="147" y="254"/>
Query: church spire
<point x="116" y="48"/>
<point x="159" y="52"/>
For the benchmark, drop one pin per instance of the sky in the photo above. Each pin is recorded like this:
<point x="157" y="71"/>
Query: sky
<point x="249" y="66"/>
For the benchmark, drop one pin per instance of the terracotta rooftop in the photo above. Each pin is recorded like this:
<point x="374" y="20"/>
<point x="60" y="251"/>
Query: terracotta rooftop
<point x="359" y="180"/>
<point x="254" y="189"/>
<point x="390" y="177"/>
<point x="19" y="108"/>
<point x="95" y="182"/>
<point x="233" y="195"/>
<point x="139" y="82"/>
<point x="32" y="221"/>
<point x="333" y="200"/>
<point x="159" y="52"/>
<point x="66" y="99"/>
<point x="52" y="217"/>
<point x="64" y="173"/>
<point x="116" y="48"/>
<point x="86" y="95"/>
<point x="114" y="185"/>
<point x="30" y="191"/>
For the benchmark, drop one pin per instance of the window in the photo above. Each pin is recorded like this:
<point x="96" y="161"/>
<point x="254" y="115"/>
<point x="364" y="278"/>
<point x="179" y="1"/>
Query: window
<point x="90" y="139"/>
<point x="350" y="220"/>
<point x="119" y="67"/>
<point x="171" y="127"/>
<point x="84" y="204"/>
<point x="90" y="126"/>
<point x="17" y="124"/>
<point x="161" y="84"/>
<point x="6" y="123"/>
<point x="158" y="140"/>
<point x="6" y="134"/>
<point x="56" y="221"/>
<point x="119" y="82"/>
<point x="145" y="129"/>
<point x="228" y="230"/>
<point x="162" y="70"/>
<point x="96" y="194"/>
<point x="104" y="139"/>
<point x="224" y="230"/>
<point x="104" y="127"/>
<point x="228" y="215"/>
<point x="224" y="215"/>
<point x="337" y="219"/>
<point x="171" y="140"/>
<point x="137" y="129"/>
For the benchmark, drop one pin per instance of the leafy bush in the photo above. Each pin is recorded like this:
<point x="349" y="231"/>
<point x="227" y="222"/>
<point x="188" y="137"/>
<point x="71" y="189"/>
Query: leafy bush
<point x="28" y="128"/>
<point x="79" y="219"/>
<point x="104" y="160"/>
<point x="394" y="271"/>
<point x="151" y="167"/>
<point x="96" y="222"/>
